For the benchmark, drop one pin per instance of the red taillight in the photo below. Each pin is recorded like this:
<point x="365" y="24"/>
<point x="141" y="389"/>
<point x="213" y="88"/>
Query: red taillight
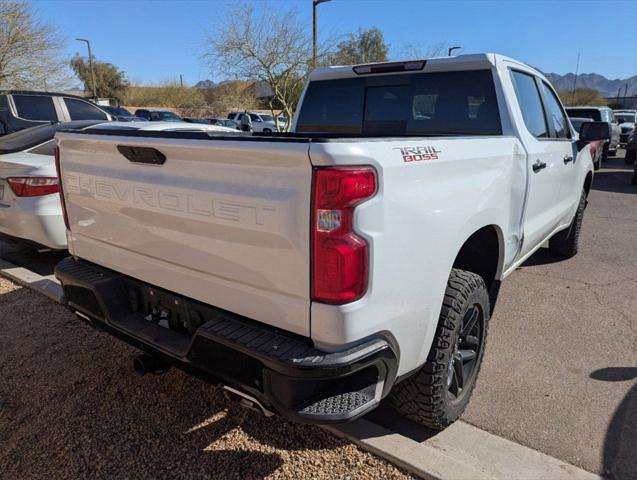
<point x="33" y="186"/>
<point x="57" y="168"/>
<point x="340" y="256"/>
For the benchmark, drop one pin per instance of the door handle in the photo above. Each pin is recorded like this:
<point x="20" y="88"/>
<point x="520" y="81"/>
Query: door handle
<point x="538" y="165"/>
<point x="567" y="159"/>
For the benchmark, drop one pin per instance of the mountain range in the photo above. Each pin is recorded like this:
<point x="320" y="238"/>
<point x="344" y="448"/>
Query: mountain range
<point x="205" y="84"/>
<point x="608" y="88"/>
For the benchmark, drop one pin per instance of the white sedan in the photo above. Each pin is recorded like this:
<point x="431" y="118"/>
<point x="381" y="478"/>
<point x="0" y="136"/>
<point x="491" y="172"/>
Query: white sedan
<point x="30" y="209"/>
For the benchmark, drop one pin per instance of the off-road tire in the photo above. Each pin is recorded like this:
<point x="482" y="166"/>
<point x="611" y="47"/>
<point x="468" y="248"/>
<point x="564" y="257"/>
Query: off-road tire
<point x="566" y="242"/>
<point x="424" y="396"/>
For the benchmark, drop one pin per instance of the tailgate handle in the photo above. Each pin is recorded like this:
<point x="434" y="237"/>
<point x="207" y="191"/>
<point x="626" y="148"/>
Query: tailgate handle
<point x="148" y="155"/>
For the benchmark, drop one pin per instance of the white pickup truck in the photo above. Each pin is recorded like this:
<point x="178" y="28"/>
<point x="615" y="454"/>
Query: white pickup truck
<point x="359" y="257"/>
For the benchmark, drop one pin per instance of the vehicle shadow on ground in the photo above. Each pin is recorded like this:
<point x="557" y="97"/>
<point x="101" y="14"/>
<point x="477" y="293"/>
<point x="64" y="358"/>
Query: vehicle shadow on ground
<point x="542" y="257"/>
<point x="615" y="180"/>
<point x="620" y="443"/>
<point x="41" y="263"/>
<point x="389" y="418"/>
<point x="614" y="176"/>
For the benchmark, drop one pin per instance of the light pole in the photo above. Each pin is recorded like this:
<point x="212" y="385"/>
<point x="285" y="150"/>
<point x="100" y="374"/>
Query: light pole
<point x="90" y="64"/>
<point x="314" y="5"/>
<point x="451" y="49"/>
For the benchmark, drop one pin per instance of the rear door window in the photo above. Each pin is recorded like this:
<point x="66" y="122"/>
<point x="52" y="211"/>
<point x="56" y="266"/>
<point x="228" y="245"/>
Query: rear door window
<point x="81" y="110"/>
<point x="441" y="103"/>
<point x="530" y="104"/>
<point x="35" y="107"/>
<point x="556" y="117"/>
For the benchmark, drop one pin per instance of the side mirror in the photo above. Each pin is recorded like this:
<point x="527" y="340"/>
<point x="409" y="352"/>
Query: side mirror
<point x="592" y="131"/>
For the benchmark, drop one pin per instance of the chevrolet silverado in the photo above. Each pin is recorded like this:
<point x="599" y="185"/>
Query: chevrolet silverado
<point x="358" y="258"/>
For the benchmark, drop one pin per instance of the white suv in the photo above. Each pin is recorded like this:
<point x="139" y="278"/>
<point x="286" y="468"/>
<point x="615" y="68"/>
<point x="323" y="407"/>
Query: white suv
<point x="261" y="122"/>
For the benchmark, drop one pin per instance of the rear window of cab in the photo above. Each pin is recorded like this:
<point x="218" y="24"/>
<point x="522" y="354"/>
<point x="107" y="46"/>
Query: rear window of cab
<point x="440" y="103"/>
<point x="592" y="113"/>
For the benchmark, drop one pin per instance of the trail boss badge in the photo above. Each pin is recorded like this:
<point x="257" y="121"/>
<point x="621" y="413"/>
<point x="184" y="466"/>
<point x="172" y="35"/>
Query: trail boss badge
<point x="417" y="154"/>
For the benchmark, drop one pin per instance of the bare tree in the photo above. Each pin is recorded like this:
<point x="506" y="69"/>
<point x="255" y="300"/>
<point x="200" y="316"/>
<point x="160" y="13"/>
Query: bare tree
<point x="29" y="49"/>
<point x="233" y="95"/>
<point x="364" y="46"/>
<point x="265" y="45"/>
<point x="412" y="51"/>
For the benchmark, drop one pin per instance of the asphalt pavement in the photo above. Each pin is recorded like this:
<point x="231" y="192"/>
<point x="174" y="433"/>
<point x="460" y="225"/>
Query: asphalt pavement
<point x="560" y="370"/>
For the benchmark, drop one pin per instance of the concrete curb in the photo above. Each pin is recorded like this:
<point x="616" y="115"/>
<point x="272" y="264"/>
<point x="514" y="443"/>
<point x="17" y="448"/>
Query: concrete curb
<point x="460" y="452"/>
<point x="48" y="285"/>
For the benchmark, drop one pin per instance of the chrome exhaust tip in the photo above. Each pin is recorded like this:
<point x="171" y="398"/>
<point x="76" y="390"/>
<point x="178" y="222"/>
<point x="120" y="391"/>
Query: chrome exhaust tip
<point x="247" y="401"/>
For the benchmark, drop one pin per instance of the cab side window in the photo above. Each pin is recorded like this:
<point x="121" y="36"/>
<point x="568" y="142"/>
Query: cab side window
<point x="81" y="110"/>
<point x="35" y="107"/>
<point x="530" y="104"/>
<point x="556" y="116"/>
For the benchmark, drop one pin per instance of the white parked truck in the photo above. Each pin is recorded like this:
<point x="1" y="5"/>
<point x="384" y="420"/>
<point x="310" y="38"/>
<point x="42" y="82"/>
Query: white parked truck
<point x="357" y="258"/>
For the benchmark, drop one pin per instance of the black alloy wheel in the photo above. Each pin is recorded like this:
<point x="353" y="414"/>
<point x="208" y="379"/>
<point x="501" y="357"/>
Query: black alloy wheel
<point x="462" y="367"/>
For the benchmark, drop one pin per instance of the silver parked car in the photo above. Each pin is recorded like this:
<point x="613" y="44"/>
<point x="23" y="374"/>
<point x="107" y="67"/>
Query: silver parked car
<point x="30" y="209"/>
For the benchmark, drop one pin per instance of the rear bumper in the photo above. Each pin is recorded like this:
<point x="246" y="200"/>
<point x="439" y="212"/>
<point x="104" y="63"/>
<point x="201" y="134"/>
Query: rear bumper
<point x="46" y="230"/>
<point x="282" y="370"/>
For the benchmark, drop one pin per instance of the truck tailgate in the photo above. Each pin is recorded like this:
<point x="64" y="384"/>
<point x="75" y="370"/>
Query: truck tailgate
<point x="223" y="221"/>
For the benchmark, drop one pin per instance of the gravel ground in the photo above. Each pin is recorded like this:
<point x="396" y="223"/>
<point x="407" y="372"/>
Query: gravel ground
<point x="71" y="407"/>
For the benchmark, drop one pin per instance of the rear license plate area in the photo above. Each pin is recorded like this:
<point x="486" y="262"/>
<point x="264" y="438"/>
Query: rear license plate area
<point x="165" y="309"/>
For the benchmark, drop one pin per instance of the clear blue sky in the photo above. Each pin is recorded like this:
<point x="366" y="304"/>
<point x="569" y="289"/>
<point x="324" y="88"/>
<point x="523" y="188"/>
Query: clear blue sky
<point x="157" y="40"/>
